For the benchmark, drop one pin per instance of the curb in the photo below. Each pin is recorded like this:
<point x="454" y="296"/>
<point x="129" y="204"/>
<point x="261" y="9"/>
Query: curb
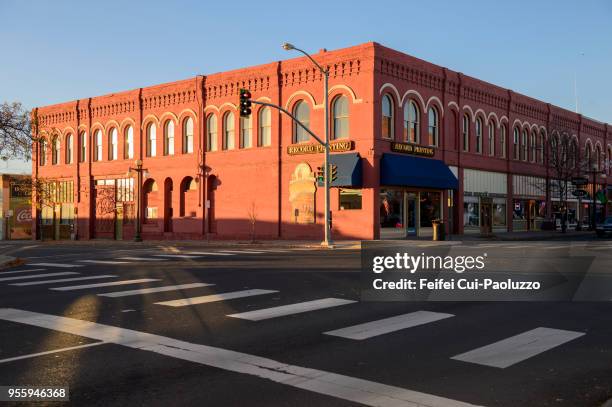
<point x="11" y="262"/>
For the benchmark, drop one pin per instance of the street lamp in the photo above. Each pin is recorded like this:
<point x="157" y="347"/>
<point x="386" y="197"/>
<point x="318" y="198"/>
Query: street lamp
<point x="139" y="171"/>
<point x="327" y="237"/>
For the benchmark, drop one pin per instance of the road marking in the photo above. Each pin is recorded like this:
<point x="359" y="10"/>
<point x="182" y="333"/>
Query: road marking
<point x="517" y="348"/>
<point x="64" y="273"/>
<point x="62" y="280"/>
<point x="387" y="325"/>
<point x="103" y="261"/>
<point x="318" y="381"/>
<point x="3" y="273"/>
<point x="56" y="265"/>
<point x="214" y="297"/>
<point x="241" y="251"/>
<point x="154" y="290"/>
<point x="290" y="309"/>
<point x="519" y="247"/>
<point x="33" y="355"/>
<point x="122" y="282"/>
<point x="140" y="259"/>
<point x="209" y="253"/>
<point x="178" y="256"/>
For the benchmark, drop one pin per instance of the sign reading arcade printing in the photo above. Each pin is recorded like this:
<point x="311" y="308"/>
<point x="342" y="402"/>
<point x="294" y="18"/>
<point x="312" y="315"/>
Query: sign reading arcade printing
<point x="407" y="148"/>
<point x="334" y="146"/>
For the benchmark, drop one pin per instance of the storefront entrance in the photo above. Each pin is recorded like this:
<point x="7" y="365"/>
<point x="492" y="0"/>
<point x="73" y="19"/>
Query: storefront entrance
<point x="405" y="213"/>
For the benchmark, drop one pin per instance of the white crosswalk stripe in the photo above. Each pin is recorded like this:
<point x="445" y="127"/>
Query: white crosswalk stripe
<point x="387" y="325"/>
<point x="103" y="261"/>
<point x="214" y="297"/>
<point x="241" y="251"/>
<point x="122" y="282"/>
<point x="209" y="254"/>
<point x="4" y="273"/>
<point x="291" y="309"/>
<point x="61" y="265"/>
<point x="63" y="280"/>
<point x="151" y="290"/>
<point x="517" y="348"/>
<point x="29" y="276"/>
<point x="177" y="256"/>
<point x="141" y="259"/>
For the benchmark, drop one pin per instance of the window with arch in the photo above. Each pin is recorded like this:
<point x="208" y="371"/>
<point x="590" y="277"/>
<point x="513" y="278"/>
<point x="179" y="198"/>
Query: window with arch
<point x="69" y="147"/>
<point x="228" y="131"/>
<point x="188" y="197"/>
<point x="264" y="136"/>
<point x="541" y="148"/>
<point x="609" y="161"/>
<point x="55" y="150"/>
<point x="479" y="135"/>
<point x="524" y="145"/>
<point x="491" y="139"/>
<point x="112" y="144"/>
<point x="42" y="153"/>
<point x="587" y="156"/>
<point x="466" y="132"/>
<point x="554" y="149"/>
<point x="516" y="143"/>
<point x="387" y="117"/>
<point x="597" y="158"/>
<point x="533" y="147"/>
<point x="246" y="132"/>
<point x="98" y="145"/>
<point x="188" y="135"/>
<point x="411" y="122"/>
<point x="340" y="118"/>
<point x="82" y="146"/>
<point x="433" y="126"/>
<point x="151" y="140"/>
<point x="169" y="137"/>
<point x="302" y="112"/>
<point x="128" y="148"/>
<point x="574" y="152"/>
<point x="502" y="141"/>
<point x="211" y="133"/>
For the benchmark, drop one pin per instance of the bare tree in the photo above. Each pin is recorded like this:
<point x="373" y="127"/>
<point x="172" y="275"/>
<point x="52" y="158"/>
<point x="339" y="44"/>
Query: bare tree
<point x="15" y="132"/>
<point x="252" y="213"/>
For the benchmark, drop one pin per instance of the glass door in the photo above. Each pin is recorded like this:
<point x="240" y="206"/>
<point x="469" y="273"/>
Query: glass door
<point x="392" y="222"/>
<point x="411" y="213"/>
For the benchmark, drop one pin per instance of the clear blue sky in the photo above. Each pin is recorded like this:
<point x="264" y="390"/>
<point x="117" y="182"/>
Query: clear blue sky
<point x="55" y="51"/>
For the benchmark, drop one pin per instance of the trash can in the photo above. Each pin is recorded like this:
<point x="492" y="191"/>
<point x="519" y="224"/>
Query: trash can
<point x="438" y="229"/>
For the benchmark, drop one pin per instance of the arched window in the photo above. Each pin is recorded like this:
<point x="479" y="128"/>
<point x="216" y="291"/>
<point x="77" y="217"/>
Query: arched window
<point x="340" y="118"/>
<point x="264" y="137"/>
<point x="55" y="150"/>
<point x="112" y="144"/>
<point x="151" y="140"/>
<point x="98" y="145"/>
<point x="466" y="132"/>
<point x="211" y="133"/>
<point x="83" y="147"/>
<point x="597" y="158"/>
<point x="188" y="197"/>
<point x="491" y="139"/>
<point x="302" y="112"/>
<point x="587" y="156"/>
<point x="188" y="135"/>
<point x="128" y="148"/>
<point x="541" y="147"/>
<point x="524" y="146"/>
<point x="387" y="117"/>
<point x="411" y="122"/>
<point x="246" y="131"/>
<point x="228" y="131"/>
<point x="516" y="143"/>
<point x="502" y="141"/>
<point x="609" y="162"/>
<point x="169" y="138"/>
<point x="433" y="127"/>
<point x="554" y="149"/>
<point x="479" y="135"/>
<point x="42" y="154"/>
<point x="533" y="147"/>
<point x="69" y="146"/>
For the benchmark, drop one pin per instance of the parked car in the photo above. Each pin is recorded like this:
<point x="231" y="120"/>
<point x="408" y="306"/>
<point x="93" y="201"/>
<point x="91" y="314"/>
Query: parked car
<point x="604" y="228"/>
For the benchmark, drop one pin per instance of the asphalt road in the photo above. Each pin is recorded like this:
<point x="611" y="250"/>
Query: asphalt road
<point x="222" y="350"/>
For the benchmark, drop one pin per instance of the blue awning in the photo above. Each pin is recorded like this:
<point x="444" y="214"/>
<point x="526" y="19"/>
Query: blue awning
<point x="349" y="172"/>
<point x="402" y="170"/>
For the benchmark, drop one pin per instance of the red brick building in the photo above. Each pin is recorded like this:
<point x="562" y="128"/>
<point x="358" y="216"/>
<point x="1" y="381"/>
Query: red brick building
<point x="413" y="142"/>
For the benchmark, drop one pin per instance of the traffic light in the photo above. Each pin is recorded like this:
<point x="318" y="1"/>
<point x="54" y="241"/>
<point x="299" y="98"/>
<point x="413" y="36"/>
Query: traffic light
<point x="245" y="103"/>
<point x="333" y="171"/>
<point x="320" y="174"/>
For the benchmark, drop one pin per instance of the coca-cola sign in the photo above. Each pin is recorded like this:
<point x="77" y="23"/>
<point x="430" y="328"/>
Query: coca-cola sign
<point x="24" y="216"/>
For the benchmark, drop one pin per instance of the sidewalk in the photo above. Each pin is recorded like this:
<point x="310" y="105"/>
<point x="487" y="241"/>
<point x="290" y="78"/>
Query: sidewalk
<point x="9" y="261"/>
<point x="511" y="236"/>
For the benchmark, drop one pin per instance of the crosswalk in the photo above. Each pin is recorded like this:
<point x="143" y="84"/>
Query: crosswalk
<point x="214" y="298"/>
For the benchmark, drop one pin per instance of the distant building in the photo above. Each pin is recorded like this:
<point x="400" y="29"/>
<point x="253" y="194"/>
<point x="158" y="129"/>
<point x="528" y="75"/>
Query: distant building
<point x="15" y="207"/>
<point x="412" y="142"/>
